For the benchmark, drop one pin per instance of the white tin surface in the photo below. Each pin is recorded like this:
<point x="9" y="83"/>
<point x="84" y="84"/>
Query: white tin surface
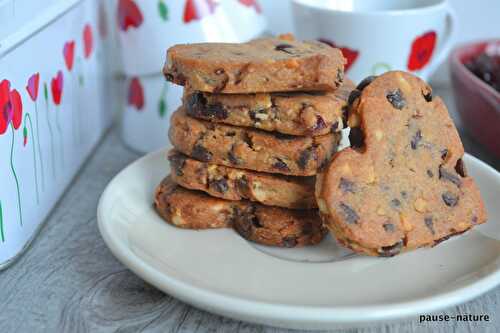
<point x="53" y="78"/>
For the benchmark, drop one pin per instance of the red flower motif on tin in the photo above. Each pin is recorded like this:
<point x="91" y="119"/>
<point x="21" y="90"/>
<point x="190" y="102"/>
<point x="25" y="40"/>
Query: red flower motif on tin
<point x="421" y="50"/>
<point x="56" y="86"/>
<point x="32" y="87"/>
<point x="11" y="107"/>
<point x="136" y="94"/>
<point x="197" y="9"/>
<point x="88" y="41"/>
<point x="251" y="3"/>
<point x="129" y="15"/>
<point x="69" y="54"/>
<point x="349" y="54"/>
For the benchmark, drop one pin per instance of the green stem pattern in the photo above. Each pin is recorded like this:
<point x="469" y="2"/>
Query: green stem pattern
<point x="27" y="116"/>
<point x="1" y="224"/>
<point x="39" y="147"/>
<point x="51" y="133"/>
<point x="15" y="175"/>
<point x="59" y="130"/>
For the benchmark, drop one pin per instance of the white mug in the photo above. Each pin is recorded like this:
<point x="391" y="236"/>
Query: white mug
<point x="377" y="36"/>
<point x="146" y="28"/>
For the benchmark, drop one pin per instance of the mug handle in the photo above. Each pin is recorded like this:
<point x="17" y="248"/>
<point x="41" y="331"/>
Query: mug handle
<point x="451" y="19"/>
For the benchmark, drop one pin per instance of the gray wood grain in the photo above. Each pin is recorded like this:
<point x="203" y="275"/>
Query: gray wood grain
<point x="68" y="281"/>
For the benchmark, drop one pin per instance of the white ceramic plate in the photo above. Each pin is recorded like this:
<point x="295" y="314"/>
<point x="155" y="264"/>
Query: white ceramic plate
<point x="317" y="287"/>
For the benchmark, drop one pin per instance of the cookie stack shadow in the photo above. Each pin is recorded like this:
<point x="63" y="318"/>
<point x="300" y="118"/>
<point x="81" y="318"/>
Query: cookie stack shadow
<point x="257" y="122"/>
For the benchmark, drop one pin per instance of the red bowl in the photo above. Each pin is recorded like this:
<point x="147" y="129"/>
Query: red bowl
<point x="478" y="104"/>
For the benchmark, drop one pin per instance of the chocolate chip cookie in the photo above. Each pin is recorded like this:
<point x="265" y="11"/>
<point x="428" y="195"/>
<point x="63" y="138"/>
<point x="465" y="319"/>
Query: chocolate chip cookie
<point x="261" y="65"/>
<point x="294" y="113"/>
<point x="237" y="184"/>
<point x="403" y="183"/>
<point x="247" y="148"/>
<point x="273" y="226"/>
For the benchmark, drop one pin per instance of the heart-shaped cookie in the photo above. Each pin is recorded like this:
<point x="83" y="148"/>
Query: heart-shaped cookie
<point x="402" y="184"/>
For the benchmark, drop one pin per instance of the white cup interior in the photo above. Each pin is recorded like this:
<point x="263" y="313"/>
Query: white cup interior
<point x="369" y="5"/>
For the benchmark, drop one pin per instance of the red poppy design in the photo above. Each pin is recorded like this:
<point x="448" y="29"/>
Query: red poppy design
<point x="56" y="86"/>
<point x="349" y="54"/>
<point x="88" y="41"/>
<point x="11" y="107"/>
<point x="32" y="87"/>
<point x="421" y="50"/>
<point x="136" y="94"/>
<point x="251" y="3"/>
<point x="129" y="15"/>
<point x="69" y="54"/>
<point x="197" y="9"/>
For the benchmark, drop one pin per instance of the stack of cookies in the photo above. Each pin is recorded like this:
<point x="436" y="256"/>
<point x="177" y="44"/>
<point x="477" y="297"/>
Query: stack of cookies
<point x="258" y="121"/>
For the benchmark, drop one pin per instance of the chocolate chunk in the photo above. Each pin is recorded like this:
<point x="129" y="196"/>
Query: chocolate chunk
<point x="283" y="136"/>
<point x="389" y="227"/>
<point x="177" y="161"/>
<point x="396" y="99"/>
<point x="305" y="156"/>
<point x="404" y="194"/>
<point x="220" y="185"/>
<point x="230" y="133"/>
<point x="307" y="229"/>
<point x="169" y="77"/>
<point x="460" y="168"/>
<point x="196" y="106"/>
<point x="474" y="219"/>
<point x="280" y="165"/>
<point x="392" y="250"/>
<point x="444" y="154"/>
<point x="356" y="137"/>
<point x="430" y="173"/>
<point x="350" y="216"/>
<point x="252" y="114"/>
<point x="427" y="95"/>
<point x="365" y="82"/>
<point x="284" y="48"/>
<point x="289" y="241"/>
<point x="346" y="185"/>
<point x="345" y="113"/>
<point x="231" y="156"/>
<point x="395" y="203"/>
<point x="320" y="124"/>
<point x="352" y="96"/>
<point x="222" y="84"/>
<point x="416" y="139"/>
<point x="241" y="73"/>
<point x="243" y="222"/>
<point x="216" y="111"/>
<point x="255" y="221"/>
<point x="201" y="153"/>
<point x="429" y="224"/>
<point x="242" y="184"/>
<point x="446" y="175"/>
<point x="340" y="77"/>
<point x="450" y="199"/>
<point x="335" y="127"/>
<point x="247" y="139"/>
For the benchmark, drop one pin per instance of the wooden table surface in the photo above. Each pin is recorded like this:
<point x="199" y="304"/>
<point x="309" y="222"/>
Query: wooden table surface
<point x="68" y="281"/>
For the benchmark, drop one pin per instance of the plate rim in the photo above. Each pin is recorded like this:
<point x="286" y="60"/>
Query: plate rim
<point x="277" y="314"/>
